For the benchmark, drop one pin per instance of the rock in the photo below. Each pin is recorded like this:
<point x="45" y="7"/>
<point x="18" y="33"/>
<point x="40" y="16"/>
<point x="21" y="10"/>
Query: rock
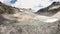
<point x="44" y="28"/>
<point x="50" y="10"/>
<point x="7" y="9"/>
<point x="57" y="15"/>
<point x="14" y="21"/>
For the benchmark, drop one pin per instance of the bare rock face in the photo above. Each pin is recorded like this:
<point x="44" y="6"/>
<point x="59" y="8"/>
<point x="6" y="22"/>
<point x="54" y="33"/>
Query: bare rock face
<point x="50" y="10"/>
<point x="13" y="21"/>
<point x="7" y="9"/>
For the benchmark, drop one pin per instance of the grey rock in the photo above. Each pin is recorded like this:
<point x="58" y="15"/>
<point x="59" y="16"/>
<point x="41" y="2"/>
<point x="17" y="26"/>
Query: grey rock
<point x="9" y="23"/>
<point x="50" y="10"/>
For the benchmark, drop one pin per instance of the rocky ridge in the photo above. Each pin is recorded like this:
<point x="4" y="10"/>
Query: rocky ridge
<point x="50" y="10"/>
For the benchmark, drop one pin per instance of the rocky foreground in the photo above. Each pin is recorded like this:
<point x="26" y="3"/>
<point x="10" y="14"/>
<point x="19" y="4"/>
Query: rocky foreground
<point x="14" y="21"/>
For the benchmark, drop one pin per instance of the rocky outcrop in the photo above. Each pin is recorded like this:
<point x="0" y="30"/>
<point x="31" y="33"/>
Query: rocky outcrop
<point x="7" y="9"/>
<point x="50" y="10"/>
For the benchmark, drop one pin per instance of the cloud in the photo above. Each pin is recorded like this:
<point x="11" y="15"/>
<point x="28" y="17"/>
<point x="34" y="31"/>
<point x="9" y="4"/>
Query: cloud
<point x="34" y="4"/>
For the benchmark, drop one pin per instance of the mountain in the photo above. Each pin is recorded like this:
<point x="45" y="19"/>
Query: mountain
<point x="7" y="9"/>
<point x="21" y="21"/>
<point x="50" y="10"/>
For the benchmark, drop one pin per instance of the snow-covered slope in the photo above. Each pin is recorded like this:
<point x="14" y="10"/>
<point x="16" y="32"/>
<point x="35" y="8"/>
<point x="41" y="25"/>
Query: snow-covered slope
<point x="34" y="4"/>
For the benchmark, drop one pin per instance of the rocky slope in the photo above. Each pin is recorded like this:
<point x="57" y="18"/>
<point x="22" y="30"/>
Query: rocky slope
<point x="50" y="10"/>
<point x="14" y="21"/>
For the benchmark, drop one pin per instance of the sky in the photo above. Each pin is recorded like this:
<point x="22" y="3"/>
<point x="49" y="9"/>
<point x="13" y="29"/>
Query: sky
<point x="34" y="4"/>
